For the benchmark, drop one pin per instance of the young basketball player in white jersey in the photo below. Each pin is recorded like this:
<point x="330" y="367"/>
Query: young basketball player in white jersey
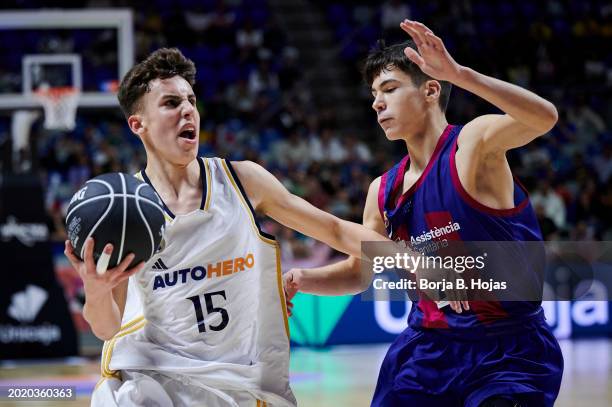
<point x="204" y="322"/>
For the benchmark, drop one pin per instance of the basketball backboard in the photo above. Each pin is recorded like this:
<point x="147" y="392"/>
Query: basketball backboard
<point x="89" y="50"/>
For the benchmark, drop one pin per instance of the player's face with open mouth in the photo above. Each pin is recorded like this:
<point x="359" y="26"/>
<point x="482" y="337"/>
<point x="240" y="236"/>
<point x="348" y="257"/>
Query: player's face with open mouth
<point x="400" y="106"/>
<point x="171" y="119"/>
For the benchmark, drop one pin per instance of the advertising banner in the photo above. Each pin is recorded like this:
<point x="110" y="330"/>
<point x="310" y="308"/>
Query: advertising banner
<point x="34" y="318"/>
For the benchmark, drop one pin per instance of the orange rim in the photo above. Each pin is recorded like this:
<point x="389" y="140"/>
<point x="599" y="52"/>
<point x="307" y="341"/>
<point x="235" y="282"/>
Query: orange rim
<point x="56" y="92"/>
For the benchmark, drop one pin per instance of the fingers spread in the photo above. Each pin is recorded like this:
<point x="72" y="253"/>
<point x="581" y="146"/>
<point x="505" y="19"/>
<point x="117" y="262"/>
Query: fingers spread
<point x="125" y="263"/>
<point x="416" y="30"/>
<point x="135" y="269"/>
<point x="416" y="36"/>
<point x="88" y="248"/>
<point x="124" y="275"/>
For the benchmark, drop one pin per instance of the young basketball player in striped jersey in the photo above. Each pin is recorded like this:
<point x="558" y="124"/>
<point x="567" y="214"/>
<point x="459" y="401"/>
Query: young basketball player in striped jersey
<point x="204" y="322"/>
<point x="478" y="353"/>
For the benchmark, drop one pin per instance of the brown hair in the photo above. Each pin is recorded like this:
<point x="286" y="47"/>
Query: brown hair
<point x="384" y="57"/>
<point x="161" y="64"/>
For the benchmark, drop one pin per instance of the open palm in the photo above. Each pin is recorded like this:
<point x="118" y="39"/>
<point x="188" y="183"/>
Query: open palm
<point x="432" y="57"/>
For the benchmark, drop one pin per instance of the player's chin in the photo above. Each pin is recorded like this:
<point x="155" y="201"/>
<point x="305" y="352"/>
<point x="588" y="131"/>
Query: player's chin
<point x="392" y="134"/>
<point x="187" y="146"/>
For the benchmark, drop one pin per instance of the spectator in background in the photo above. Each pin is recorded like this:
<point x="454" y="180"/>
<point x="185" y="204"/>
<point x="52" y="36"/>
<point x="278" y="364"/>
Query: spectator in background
<point x="553" y="206"/>
<point x="80" y="172"/>
<point x="582" y="232"/>
<point x="212" y="27"/>
<point x="293" y="150"/>
<point x="249" y="38"/>
<point x="585" y="206"/>
<point x="340" y="204"/>
<point x="290" y="71"/>
<point x="603" y="164"/>
<point x="548" y="227"/>
<point x="357" y="150"/>
<point x="240" y="99"/>
<point x="327" y="147"/>
<point x="392" y="13"/>
<point x="605" y="202"/>
<point x="263" y="78"/>
<point x="588" y="123"/>
<point x="535" y="156"/>
<point x="55" y="223"/>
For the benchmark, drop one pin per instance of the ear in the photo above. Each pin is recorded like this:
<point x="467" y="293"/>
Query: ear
<point x="432" y="91"/>
<point x="136" y="124"/>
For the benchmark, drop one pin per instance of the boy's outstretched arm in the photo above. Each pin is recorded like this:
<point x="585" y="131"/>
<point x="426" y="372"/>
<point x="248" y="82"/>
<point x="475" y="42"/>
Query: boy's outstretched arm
<point x="270" y="197"/>
<point x="344" y="277"/>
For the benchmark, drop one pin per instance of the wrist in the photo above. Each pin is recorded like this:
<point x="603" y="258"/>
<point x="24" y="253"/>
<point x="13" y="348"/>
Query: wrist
<point x="462" y="76"/>
<point x="97" y="298"/>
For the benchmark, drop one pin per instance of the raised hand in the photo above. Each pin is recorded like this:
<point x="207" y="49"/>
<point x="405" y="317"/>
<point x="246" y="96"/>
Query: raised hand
<point x="432" y="57"/>
<point x="100" y="282"/>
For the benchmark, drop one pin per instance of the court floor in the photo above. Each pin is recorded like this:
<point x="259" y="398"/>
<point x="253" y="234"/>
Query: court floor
<point x="335" y="377"/>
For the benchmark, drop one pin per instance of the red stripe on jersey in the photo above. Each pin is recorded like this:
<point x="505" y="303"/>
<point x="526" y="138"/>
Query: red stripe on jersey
<point x="486" y="311"/>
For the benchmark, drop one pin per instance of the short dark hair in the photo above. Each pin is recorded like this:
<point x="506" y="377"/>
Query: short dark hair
<point x="161" y="64"/>
<point x="384" y="57"/>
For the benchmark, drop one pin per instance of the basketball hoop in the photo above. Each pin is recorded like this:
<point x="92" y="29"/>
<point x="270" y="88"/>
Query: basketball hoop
<point x="60" y="104"/>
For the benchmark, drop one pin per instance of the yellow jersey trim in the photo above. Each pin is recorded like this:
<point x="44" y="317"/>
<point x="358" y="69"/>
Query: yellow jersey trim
<point x="107" y="352"/>
<point x="281" y="291"/>
<point x="121" y="329"/>
<point x="208" y="184"/>
<point x="246" y="206"/>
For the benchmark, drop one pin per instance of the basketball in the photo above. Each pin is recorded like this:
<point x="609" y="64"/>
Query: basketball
<point x="119" y="209"/>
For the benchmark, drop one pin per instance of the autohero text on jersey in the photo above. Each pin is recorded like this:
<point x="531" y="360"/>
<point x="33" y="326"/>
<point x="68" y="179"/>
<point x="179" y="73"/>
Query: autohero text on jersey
<point x="212" y="270"/>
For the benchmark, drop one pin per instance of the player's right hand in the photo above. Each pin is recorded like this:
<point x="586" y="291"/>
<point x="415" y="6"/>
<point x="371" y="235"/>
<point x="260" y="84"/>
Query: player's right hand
<point x="457" y="306"/>
<point x="98" y="283"/>
<point x="432" y="56"/>
<point x="455" y="298"/>
<point x="291" y="286"/>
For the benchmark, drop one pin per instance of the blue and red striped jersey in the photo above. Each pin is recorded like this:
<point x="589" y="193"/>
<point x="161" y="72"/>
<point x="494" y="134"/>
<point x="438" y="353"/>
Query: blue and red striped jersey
<point x="437" y="207"/>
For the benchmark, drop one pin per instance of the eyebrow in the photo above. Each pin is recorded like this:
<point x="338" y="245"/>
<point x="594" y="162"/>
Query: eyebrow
<point x="383" y="83"/>
<point x="175" y="96"/>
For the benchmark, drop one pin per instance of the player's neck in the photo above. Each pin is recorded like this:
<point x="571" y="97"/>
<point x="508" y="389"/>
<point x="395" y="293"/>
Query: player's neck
<point x="171" y="178"/>
<point x="422" y="144"/>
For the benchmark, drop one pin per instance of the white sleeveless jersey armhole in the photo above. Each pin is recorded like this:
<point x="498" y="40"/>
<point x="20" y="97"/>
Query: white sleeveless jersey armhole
<point x="208" y="309"/>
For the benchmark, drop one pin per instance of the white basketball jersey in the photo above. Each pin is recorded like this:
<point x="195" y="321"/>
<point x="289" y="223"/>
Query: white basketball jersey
<point x="209" y="306"/>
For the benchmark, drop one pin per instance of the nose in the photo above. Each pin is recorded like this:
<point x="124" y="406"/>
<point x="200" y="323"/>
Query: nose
<point x="379" y="104"/>
<point x="187" y="109"/>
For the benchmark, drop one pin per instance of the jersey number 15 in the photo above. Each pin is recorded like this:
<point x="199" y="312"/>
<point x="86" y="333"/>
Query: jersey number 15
<point x="210" y="309"/>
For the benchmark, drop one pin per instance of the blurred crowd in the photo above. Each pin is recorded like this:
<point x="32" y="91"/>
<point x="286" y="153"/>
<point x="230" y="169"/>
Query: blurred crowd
<point x="256" y="104"/>
<point x="557" y="48"/>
